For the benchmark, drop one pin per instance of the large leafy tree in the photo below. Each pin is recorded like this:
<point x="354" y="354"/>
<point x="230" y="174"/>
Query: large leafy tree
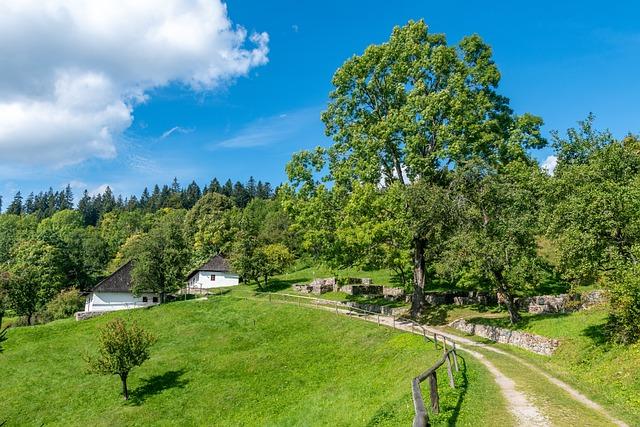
<point x="210" y="226"/>
<point x="407" y="111"/>
<point x="593" y="217"/>
<point x="161" y="256"/>
<point x="495" y="244"/>
<point x="34" y="277"/>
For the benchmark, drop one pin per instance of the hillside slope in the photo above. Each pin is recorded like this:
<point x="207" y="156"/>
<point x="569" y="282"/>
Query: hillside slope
<point x="229" y="361"/>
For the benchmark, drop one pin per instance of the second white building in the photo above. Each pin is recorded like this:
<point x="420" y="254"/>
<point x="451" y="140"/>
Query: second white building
<point x="216" y="273"/>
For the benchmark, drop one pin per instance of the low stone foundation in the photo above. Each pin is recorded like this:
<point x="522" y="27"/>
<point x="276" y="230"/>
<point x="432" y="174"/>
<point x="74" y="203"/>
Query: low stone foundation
<point x="361" y="289"/>
<point x="382" y="309"/>
<point x="535" y="343"/>
<point x="562" y="303"/>
<point x="84" y="315"/>
<point x="393" y="294"/>
<point x="317" y="286"/>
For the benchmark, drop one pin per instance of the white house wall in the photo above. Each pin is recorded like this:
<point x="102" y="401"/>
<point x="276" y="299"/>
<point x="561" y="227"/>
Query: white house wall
<point x="203" y="280"/>
<point x="111" y="301"/>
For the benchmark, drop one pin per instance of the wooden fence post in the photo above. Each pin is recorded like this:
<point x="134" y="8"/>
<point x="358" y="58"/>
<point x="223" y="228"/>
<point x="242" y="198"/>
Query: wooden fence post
<point x="433" y="393"/>
<point x="378" y="319"/>
<point x="394" y="321"/>
<point x="449" y="371"/>
<point x="435" y="340"/>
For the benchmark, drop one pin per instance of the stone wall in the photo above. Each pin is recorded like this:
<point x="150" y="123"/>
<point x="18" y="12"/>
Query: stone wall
<point x="393" y="294"/>
<point x="317" y="286"/>
<point x="535" y="343"/>
<point x="382" y="309"/>
<point x="84" y="315"/>
<point x="361" y="289"/>
<point x="562" y="303"/>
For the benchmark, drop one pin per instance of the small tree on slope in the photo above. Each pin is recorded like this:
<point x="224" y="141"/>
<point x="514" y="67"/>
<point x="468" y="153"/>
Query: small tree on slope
<point x="121" y="349"/>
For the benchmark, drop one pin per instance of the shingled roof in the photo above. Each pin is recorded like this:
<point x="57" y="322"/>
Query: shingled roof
<point x="216" y="263"/>
<point x="119" y="281"/>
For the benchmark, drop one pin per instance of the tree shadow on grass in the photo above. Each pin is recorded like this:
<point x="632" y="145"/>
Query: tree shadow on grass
<point x="156" y="385"/>
<point x="597" y="334"/>
<point x="276" y="285"/>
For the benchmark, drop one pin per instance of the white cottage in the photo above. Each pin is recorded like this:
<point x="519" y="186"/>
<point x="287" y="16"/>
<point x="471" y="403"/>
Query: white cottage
<point x="114" y="293"/>
<point x="216" y="273"/>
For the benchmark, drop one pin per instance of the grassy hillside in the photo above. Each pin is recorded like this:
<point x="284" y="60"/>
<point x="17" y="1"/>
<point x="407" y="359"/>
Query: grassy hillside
<point x="229" y="361"/>
<point x="606" y="372"/>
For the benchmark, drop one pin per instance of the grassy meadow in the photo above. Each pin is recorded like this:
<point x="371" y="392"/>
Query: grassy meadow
<point x="230" y="361"/>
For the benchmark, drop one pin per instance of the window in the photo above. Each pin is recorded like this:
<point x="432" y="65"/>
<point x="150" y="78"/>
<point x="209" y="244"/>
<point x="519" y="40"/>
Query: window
<point x="155" y="299"/>
<point x="213" y="277"/>
<point x="144" y="299"/>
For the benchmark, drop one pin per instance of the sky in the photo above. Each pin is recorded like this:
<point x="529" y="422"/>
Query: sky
<point x="130" y="94"/>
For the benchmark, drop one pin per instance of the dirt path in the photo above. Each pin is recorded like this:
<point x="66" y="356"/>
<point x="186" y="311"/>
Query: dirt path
<point x="575" y="394"/>
<point x="518" y="403"/>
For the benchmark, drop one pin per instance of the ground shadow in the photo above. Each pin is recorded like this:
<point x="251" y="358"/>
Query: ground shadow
<point x="276" y="285"/>
<point x="463" y="391"/>
<point x="597" y="333"/>
<point x="157" y="384"/>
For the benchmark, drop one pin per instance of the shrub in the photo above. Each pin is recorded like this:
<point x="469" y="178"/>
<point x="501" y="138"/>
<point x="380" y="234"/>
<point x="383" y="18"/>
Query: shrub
<point x="624" y="317"/>
<point x="64" y="305"/>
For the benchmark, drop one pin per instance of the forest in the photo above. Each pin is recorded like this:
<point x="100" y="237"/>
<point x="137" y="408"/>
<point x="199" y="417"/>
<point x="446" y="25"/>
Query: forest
<point x="430" y="174"/>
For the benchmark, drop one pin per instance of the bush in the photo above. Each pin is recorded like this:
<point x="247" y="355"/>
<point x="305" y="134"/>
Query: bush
<point x="624" y="317"/>
<point x="64" y="305"/>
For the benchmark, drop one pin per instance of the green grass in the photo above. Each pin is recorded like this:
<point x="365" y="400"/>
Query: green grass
<point x="230" y="361"/>
<point x="608" y="373"/>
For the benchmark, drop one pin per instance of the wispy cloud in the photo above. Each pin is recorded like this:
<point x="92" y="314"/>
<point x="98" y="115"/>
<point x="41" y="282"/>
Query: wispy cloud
<point x="271" y="130"/>
<point x="175" y="130"/>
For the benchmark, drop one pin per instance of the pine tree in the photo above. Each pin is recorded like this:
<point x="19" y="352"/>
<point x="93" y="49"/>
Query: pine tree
<point x="15" y="207"/>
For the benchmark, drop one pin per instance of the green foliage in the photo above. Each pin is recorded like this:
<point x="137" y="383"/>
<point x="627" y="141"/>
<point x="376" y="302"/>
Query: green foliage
<point x="624" y="316"/>
<point x="121" y="349"/>
<point x="64" y="305"/>
<point x="161" y="256"/>
<point x="211" y="226"/>
<point x="34" y="278"/>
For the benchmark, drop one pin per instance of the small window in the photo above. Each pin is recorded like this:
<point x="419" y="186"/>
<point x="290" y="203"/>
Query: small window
<point x="213" y="277"/>
<point x="144" y="299"/>
<point x="155" y="299"/>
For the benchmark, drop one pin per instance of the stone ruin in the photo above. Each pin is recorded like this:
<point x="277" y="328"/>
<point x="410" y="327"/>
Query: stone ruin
<point x="317" y="286"/>
<point x="353" y="286"/>
<point x="562" y="303"/>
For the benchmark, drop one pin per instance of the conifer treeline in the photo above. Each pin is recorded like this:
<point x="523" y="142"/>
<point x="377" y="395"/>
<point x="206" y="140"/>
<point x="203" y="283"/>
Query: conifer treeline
<point x="45" y="204"/>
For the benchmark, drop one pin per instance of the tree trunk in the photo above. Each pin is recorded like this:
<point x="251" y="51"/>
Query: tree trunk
<point x="125" y="391"/>
<point x="266" y="281"/>
<point x="417" y="301"/>
<point x="514" y="316"/>
<point x="29" y="316"/>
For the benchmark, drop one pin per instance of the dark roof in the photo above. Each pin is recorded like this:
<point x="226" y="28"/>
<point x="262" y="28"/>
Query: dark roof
<point x="216" y="263"/>
<point x="119" y="281"/>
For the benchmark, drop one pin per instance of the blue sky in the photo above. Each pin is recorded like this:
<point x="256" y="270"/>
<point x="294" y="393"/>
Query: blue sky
<point x="559" y="61"/>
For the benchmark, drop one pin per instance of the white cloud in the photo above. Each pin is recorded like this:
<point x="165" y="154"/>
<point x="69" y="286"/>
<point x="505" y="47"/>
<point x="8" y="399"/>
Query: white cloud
<point x="73" y="70"/>
<point x="271" y="130"/>
<point x="549" y="164"/>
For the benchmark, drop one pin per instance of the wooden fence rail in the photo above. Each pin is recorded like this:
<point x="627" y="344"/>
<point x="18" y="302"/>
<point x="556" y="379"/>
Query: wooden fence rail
<point x="421" y="418"/>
